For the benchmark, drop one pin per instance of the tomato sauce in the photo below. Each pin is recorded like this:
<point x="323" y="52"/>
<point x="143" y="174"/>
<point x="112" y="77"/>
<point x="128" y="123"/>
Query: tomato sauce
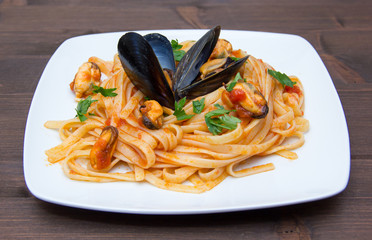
<point x="108" y="122"/>
<point x="241" y="111"/>
<point x="121" y="122"/>
<point x="238" y="53"/>
<point x="237" y="95"/>
<point x="294" y="89"/>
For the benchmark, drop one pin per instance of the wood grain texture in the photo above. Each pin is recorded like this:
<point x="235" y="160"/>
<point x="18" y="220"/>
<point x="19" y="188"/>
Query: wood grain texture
<point x="341" y="32"/>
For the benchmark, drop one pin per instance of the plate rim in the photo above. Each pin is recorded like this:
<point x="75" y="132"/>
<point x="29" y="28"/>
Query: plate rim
<point x="43" y="197"/>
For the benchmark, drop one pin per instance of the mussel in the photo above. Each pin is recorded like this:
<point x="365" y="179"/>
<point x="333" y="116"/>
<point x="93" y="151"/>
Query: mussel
<point x="104" y="148"/>
<point x="246" y="100"/>
<point x="149" y="63"/>
<point x="152" y="114"/>
<point x="222" y="50"/>
<point x="88" y="75"/>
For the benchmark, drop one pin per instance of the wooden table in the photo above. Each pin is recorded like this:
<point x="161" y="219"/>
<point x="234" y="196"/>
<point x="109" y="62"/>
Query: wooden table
<point x="341" y="32"/>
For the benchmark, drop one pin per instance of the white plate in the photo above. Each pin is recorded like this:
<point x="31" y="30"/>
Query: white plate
<point x="321" y="171"/>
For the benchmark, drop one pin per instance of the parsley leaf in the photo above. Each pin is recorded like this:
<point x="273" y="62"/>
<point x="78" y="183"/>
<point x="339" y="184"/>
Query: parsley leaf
<point x="147" y="98"/>
<point x="231" y="86"/>
<point x="175" y="45"/>
<point x="82" y="108"/>
<point x="211" y="124"/>
<point x="179" y="112"/>
<point x="178" y="54"/>
<point x="198" y="106"/>
<point x="217" y="112"/>
<point x="230" y="122"/>
<point x="109" y="92"/>
<point x="234" y="59"/>
<point x="282" y="78"/>
<point x="219" y="106"/>
<point x="218" y="119"/>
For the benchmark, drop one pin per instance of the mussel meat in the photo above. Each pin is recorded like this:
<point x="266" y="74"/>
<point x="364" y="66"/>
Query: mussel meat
<point x="104" y="148"/>
<point x="246" y="100"/>
<point x="186" y="45"/>
<point x="222" y="50"/>
<point x="88" y="75"/>
<point x="152" y="114"/>
<point x="149" y="63"/>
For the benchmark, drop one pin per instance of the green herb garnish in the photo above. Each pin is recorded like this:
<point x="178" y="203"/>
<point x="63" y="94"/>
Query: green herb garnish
<point x="234" y="59"/>
<point x="219" y="119"/>
<point x="82" y="108"/>
<point x="106" y="92"/>
<point x="219" y="106"/>
<point x="198" y="106"/>
<point x="231" y="85"/>
<point x="178" y="54"/>
<point x="179" y="112"/>
<point x="175" y="45"/>
<point x="147" y="98"/>
<point x="282" y="78"/>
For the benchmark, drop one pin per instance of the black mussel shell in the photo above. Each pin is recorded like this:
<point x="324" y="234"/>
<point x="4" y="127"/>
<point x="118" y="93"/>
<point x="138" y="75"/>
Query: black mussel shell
<point x="211" y="83"/>
<point x="163" y="51"/>
<point x="189" y="66"/>
<point x="265" y="110"/>
<point x="142" y="67"/>
<point x="145" y="58"/>
<point x="149" y="124"/>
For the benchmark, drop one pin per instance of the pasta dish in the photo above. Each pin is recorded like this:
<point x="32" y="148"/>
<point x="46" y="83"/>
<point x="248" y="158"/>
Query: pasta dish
<point x="180" y="116"/>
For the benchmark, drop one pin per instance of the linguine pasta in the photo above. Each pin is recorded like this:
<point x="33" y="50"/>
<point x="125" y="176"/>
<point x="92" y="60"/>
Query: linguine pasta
<point x="182" y="155"/>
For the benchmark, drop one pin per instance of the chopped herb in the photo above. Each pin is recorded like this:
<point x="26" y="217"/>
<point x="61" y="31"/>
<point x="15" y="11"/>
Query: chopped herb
<point x="109" y="92"/>
<point x="178" y="54"/>
<point x="282" y="78"/>
<point x="218" y="119"/>
<point x="82" y="108"/>
<point x="211" y="124"/>
<point x="175" y="45"/>
<point x="217" y="112"/>
<point x="219" y="106"/>
<point x="198" y="106"/>
<point x="234" y="59"/>
<point x="231" y="85"/>
<point x="179" y="112"/>
<point x="229" y="122"/>
<point x="147" y="98"/>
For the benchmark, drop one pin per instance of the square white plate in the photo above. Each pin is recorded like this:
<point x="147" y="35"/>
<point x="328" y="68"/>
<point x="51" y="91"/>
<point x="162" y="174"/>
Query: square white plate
<point x="321" y="171"/>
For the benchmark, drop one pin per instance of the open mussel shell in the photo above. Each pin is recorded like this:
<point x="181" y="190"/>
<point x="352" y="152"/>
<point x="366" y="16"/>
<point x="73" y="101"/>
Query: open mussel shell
<point x="211" y="83"/>
<point x="142" y="67"/>
<point x="163" y="50"/>
<point x="189" y="67"/>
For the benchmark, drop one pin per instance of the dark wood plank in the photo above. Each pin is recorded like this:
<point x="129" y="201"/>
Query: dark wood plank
<point x="358" y="112"/>
<point x="319" y="220"/>
<point x="341" y="32"/>
<point x="14" y="81"/>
